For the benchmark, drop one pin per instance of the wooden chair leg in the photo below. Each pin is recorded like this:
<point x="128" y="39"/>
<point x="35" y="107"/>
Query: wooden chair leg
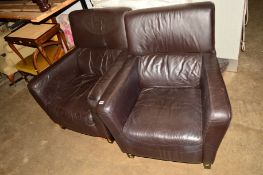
<point x="13" y="81"/>
<point x="42" y="51"/>
<point x="35" y="54"/>
<point x="17" y="52"/>
<point x="11" y="78"/>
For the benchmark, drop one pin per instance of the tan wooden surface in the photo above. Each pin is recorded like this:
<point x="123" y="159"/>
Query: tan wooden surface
<point x="27" y="10"/>
<point x="31" y="31"/>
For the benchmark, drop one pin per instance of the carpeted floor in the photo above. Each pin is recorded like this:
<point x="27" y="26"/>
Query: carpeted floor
<point x="30" y="143"/>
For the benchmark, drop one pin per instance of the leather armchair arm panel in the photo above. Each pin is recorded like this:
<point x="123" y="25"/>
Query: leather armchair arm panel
<point x="42" y="86"/>
<point x="104" y="81"/>
<point x="120" y="97"/>
<point x="216" y="107"/>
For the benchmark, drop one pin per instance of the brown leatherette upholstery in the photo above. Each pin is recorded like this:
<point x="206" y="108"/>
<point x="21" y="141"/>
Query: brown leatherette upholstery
<point x="165" y="120"/>
<point x="99" y="28"/>
<point x="181" y="28"/>
<point x="170" y="70"/>
<point x="163" y="98"/>
<point x="169" y="101"/>
<point x="216" y="107"/>
<point x="62" y="90"/>
<point x="120" y="97"/>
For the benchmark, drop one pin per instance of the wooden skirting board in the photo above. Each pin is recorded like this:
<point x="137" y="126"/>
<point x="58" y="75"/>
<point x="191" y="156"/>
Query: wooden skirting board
<point x="25" y="9"/>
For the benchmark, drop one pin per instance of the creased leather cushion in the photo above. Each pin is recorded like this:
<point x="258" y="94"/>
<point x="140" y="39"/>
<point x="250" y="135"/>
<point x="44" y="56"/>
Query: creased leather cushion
<point x="69" y="107"/>
<point x="164" y="70"/>
<point x="181" y="28"/>
<point x="167" y="117"/>
<point x="96" y="61"/>
<point x="99" y="28"/>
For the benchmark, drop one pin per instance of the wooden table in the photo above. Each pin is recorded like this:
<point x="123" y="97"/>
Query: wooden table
<point x="36" y="36"/>
<point x="27" y="10"/>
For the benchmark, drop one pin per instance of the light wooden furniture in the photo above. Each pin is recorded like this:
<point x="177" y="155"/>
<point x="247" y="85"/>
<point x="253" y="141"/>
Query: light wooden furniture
<point x="38" y="36"/>
<point x="27" y="10"/>
<point x="28" y="65"/>
<point x="8" y="58"/>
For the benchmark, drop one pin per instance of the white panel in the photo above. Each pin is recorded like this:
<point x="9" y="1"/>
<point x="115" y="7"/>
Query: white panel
<point x="228" y="27"/>
<point x="228" y="22"/>
<point x="76" y="6"/>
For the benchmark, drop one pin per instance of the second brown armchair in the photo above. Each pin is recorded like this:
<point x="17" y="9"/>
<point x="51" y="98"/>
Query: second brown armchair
<point x="169" y="102"/>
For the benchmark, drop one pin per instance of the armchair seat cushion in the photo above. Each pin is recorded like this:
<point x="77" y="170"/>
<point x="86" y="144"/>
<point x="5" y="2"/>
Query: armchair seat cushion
<point x="167" y="117"/>
<point x="69" y="105"/>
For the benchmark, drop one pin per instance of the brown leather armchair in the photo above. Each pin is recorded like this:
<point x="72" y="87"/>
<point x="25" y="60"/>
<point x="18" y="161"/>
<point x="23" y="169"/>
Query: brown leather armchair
<point x="169" y="101"/>
<point x="63" y="88"/>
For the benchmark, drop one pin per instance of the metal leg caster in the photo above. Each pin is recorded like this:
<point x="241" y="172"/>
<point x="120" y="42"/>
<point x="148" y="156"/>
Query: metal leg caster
<point x="130" y="155"/>
<point x="63" y="127"/>
<point x="207" y="165"/>
<point x="110" y="140"/>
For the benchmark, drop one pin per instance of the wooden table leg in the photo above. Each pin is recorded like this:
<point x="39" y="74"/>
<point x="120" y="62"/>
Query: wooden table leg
<point x="11" y="78"/>
<point x="62" y="35"/>
<point x="35" y="61"/>
<point x="17" y="80"/>
<point x="43" y="53"/>
<point x="12" y="46"/>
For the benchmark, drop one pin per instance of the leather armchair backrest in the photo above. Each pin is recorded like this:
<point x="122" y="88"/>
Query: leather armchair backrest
<point x="170" y="70"/>
<point x="96" y="61"/>
<point x="99" y="28"/>
<point x="178" y="29"/>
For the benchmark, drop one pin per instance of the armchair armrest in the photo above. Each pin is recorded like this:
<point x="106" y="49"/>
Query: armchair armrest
<point x="120" y="97"/>
<point x="65" y="69"/>
<point x="216" y="107"/>
<point x="101" y="85"/>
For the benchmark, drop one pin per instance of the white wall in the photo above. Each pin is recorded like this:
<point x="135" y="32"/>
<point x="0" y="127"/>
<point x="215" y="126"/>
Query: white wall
<point x="228" y="27"/>
<point x="228" y="22"/>
<point x="76" y="6"/>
